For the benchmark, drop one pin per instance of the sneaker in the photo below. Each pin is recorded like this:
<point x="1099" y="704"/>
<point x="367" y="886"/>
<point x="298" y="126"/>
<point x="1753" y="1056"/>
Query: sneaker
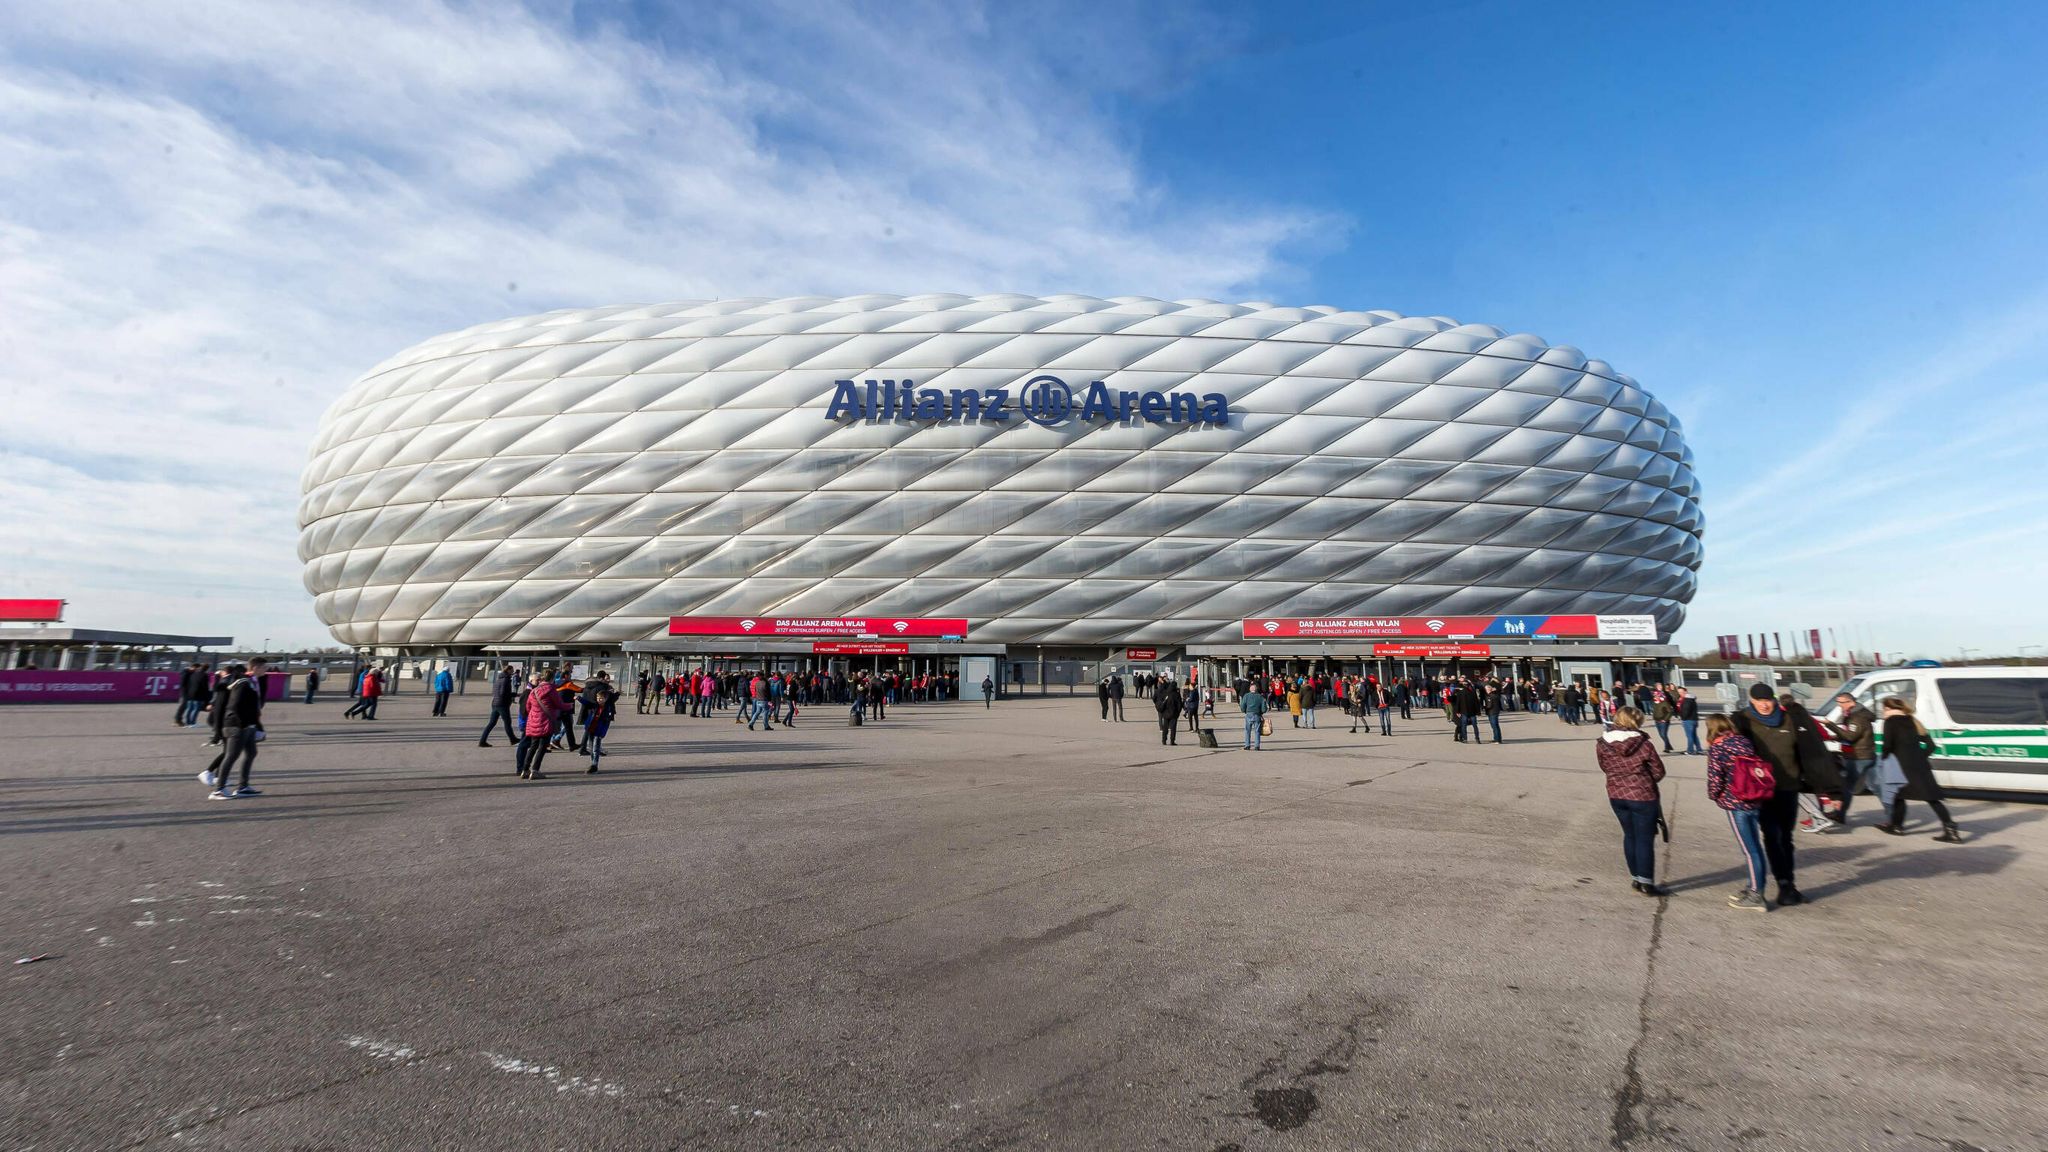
<point x="245" y="790"/>
<point x="207" y="779"/>
<point x="1824" y="827"/>
<point x="1788" y="896"/>
<point x="1749" y="900"/>
<point x="222" y="794"/>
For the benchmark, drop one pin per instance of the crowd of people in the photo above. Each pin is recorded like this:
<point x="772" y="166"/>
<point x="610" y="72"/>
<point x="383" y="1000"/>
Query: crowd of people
<point x="1766" y="762"/>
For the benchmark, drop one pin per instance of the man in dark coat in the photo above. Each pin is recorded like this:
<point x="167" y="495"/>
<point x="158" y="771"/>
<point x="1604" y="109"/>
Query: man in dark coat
<point x="1787" y="738"/>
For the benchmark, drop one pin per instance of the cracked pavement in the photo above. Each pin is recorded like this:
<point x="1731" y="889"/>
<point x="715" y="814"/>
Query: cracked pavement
<point x="969" y="929"/>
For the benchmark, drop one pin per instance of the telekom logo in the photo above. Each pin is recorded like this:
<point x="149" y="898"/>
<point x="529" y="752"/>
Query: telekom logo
<point x="156" y="685"/>
<point x="746" y="625"/>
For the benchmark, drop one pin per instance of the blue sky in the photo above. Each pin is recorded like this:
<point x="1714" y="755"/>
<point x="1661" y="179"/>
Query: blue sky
<point x="1815" y="231"/>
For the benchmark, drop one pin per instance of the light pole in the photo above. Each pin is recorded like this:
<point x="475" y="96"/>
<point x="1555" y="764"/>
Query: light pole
<point x="1966" y="653"/>
<point x="2024" y="648"/>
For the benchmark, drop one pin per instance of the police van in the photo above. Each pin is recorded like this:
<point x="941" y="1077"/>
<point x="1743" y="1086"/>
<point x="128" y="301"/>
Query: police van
<point x="1989" y="724"/>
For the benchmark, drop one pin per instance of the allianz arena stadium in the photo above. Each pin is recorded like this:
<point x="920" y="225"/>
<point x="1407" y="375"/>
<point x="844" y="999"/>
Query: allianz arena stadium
<point x="1063" y="478"/>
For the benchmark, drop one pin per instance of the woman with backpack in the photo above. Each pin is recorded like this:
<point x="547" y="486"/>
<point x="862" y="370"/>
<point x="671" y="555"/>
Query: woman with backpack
<point x="1633" y="768"/>
<point x="1738" y="782"/>
<point x="1908" y="743"/>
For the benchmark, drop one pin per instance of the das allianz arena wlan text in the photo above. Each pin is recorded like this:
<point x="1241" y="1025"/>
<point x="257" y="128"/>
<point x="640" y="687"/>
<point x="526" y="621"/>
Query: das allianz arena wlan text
<point x="1000" y="483"/>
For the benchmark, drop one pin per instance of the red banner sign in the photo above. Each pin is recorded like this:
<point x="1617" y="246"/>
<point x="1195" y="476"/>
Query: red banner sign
<point x="1141" y="653"/>
<point x="1432" y="651"/>
<point x="32" y="611"/>
<point x="26" y="686"/>
<point x="859" y="648"/>
<point x="854" y="626"/>
<point x="1451" y="627"/>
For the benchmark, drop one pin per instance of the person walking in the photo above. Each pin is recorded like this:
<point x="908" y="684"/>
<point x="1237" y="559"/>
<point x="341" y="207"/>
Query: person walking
<point x="503" y="708"/>
<point x="1786" y="738"/>
<point x="1856" y="732"/>
<point x="1729" y="752"/>
<point x="1662" y="714"/>
<point x="757" y="704"/>
<point x="373" y="691"/>
<point x="239" y="714"/>
<point x="600" y="705"/>
<point x="1907" y="740"/>
<point x="1166" y="702"/>
<point x="444" y="687"/>
<point x="1633" y="768"/>
<point x="312" y="683"/>
<point x="1465" y="706"/>
<point x="542" y="709"/>
<point x="1689" y="719"/>
<point x="1253" y="704"/>
<point x="988" y="692"/>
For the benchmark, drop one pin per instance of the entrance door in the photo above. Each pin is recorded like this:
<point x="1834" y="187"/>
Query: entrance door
<point x="972" y="670"/>
<point x="1587" y="675"/>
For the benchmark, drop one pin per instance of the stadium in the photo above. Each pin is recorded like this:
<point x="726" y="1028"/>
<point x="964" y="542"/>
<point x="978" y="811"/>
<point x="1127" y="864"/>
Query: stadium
<point x="1035" y="482"/>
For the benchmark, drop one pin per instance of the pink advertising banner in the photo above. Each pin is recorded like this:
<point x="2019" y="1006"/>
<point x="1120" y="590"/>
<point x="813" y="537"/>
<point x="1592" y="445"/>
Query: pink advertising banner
<point x="23" y="686"/>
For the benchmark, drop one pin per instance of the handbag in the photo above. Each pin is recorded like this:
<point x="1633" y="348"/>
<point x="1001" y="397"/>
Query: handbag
<point x="1266" y="725"/>
<point x="258" y="736"/>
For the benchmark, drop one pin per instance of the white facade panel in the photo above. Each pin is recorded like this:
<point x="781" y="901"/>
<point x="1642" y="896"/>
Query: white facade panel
<point x="580" y="476"/>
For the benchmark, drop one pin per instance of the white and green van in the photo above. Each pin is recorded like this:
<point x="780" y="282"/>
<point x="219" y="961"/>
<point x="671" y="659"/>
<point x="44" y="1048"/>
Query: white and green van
<point x="1989" y="724"/>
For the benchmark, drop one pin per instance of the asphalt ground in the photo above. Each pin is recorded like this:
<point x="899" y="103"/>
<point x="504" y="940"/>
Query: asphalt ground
<point x="968" y="929"/>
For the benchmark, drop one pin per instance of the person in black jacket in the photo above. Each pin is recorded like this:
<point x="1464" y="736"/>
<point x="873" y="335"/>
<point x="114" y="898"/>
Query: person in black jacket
<point x="504" y="706"/>
<point x="1786" y="737"/>
<point x="1906" y="740"/>
<point x="1689" y="719"/>
<point x="1166" y="702"/>
<point x="238" y="711"/>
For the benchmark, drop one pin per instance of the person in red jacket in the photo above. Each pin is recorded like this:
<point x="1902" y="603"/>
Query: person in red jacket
<point x="542" y="707"/>
<point x="1630" y="762"/>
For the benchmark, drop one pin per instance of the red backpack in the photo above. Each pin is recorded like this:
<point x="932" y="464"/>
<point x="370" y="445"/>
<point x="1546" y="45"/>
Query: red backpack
<point x="1750" y="779"/>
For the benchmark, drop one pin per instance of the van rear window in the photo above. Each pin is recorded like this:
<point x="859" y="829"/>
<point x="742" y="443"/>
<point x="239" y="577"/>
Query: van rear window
<point x="2001" y="701"/>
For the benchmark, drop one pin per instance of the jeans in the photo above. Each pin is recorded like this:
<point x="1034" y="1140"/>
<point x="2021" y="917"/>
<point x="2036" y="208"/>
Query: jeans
<point x="239" y="744"/>
<point x="593" y="743"/>
<point x="310" y="689"/>
<point x="1251" y="730"/>
<point x="1777" y="817"/>
<point x="1853" y="774"/>
<point x="1638" y="837"/>
<point x="759" y="710"/>
<point x="499" y="712"/>
<point x="532" y="750"/>
<point x="1386" y="722"/>
<point x="1308" y="717"/>
<point x="1473" y="720"/>
<point x="192" y="712"/>
<point x="441" y="702"/>
<point x="1749" y="834"/>
<point x="1692" y="737"/>
<point x="1664" y="733"/>
<point x="1492" y="718"/>
<point x="370" y="707"/>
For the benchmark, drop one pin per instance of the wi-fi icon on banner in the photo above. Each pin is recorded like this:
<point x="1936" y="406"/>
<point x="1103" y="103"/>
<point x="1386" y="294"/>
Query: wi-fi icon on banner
<point x="746" y="625"/>
<point x="901" y="625"/>
<point x="1271" y="626"/>
<point x="1433" y="625"/>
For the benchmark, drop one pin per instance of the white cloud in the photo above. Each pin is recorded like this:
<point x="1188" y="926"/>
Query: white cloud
<point x="215" y="215"/>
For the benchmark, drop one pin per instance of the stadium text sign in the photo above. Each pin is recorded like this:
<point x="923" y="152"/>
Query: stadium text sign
<point x="1044" y="399"/>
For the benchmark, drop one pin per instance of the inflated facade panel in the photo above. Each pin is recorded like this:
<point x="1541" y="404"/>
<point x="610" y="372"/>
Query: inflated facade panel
<point x="580" y="476"/>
